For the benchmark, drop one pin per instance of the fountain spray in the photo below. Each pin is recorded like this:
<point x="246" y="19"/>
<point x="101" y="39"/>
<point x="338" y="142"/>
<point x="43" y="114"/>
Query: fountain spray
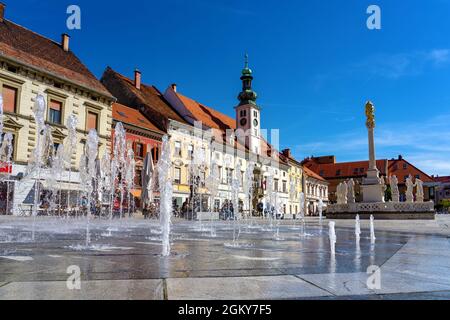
<point x="92" y="153"/>
<point x="6" y="149"/>
<point x="270" y="196"/>
<point x="105" y="171"/>
<point x="166" y="191"/>
<point x="248" y="188"/>
<point x="72" y="122"/>
<point x="235" y="186"/>
<point x="332" y="235"/>
<point x="357" y="228"/>
<point x="372" y="230"/>
<point x="129" y="176"/>
<point x="39" y="110"/>
<point x="117" y="164"/>
<point x="302" y="213"/>
<point x="320" y="208"/>
<point x="212" y="183"/>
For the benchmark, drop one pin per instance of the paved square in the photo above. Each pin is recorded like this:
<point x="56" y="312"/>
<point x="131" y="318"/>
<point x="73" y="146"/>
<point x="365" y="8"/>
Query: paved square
<point x="123" y="260"/>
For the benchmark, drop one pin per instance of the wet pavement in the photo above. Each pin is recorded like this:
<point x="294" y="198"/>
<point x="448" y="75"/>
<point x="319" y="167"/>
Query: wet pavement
<point x="123" y="261"/>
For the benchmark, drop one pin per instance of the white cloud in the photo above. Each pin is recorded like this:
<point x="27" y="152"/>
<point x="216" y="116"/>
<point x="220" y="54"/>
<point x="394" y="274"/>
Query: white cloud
<point x="439" y="55"/>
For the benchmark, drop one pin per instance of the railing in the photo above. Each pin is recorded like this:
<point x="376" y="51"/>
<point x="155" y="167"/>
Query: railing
<point x="382" y="207"/>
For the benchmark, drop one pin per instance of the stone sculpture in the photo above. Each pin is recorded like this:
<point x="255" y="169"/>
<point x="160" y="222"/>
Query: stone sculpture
<point x="409" y="189"/>
<point x="419" y="190"/>
<point x="351" y="191"/>
<point x="394" y="189"/>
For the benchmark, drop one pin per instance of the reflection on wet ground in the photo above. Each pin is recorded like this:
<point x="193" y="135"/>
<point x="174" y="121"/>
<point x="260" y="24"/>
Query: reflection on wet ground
<point x="263" y="263"/>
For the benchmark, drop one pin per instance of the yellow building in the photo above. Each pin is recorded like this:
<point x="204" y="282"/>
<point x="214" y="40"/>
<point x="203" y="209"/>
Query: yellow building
<point x="32" y="64"/>
<point x="295" y="182"/>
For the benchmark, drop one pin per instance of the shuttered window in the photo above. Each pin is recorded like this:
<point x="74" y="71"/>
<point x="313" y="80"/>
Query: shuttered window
<point x="91" y="121"/>
<point x="9" y="98"/>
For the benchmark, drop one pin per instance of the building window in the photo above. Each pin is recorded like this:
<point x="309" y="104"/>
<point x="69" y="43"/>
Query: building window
<point x="190" y="151"/>
<point x="139" y="150"/>
<point x="216" y="205"/>
<point x="255" y="114"/>
<point x="9" y="98"/>
<point x="284" y="186"/>
<point x="137" y="178"/>
<point x="243" y="113"/>
<point x="177" y="176"/>
<point x="220" y="173"/>
<point x="55" y="111"/>
<point x="177" y="149"/>
<point x="155" y="154"/>
<point x="229" y="175"/>
<point x="321" y="173"/>
<point x="405" y="166"/>
<point x="276" y="185"/>
<point x="92" y="120"/>
<point x="338" y="172"/>
<point x="417" y="176"/>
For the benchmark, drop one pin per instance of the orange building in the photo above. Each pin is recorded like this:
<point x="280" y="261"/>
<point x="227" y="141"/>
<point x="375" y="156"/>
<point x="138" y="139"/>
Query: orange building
<point x="142" y="136"/>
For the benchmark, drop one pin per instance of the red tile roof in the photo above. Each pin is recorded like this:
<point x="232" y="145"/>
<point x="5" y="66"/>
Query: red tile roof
<point x="312" y="174"/>
<point x="29" y="48"/>
<point x="133" y="117"/>
<point x="343" y="169"/>
<point x="148" y="99"/>
<point x="208" y="116"/>
<point x="444" y="179"/>
<point x="346" y="170"/>
<point x="220" y="122"/>
<point x="401" y="168"/>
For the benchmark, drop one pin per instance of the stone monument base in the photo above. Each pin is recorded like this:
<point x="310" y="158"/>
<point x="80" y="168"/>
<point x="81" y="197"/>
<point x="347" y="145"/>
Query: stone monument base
<point x="383" y="210"/>
<point x="372" y="193"/>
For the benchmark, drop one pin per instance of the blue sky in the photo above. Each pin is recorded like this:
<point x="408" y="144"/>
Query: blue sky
<point x="315" y="64"/>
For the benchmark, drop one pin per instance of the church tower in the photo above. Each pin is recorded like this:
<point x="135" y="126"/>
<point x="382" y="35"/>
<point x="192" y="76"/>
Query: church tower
<point x="248" y="117"/>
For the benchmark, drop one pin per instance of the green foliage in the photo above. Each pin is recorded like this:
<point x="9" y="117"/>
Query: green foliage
<point x="388" y="194"/>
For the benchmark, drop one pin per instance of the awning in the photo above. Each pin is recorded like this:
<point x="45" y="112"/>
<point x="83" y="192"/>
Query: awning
<point x="136" y="193"/>
<point x="62" y="186"/>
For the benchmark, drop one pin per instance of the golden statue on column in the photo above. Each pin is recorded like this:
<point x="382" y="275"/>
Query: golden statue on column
<point x="370" y="114"/>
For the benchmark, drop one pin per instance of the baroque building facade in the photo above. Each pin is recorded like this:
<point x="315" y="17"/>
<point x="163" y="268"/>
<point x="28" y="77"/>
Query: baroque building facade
<point x="32" y="64"/>
<point x="230" y="143"/>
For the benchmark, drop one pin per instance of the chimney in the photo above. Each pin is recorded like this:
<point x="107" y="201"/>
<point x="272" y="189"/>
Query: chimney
<point x="174" y="87"/>
<point x="2" y="11"/>
<point x="137" y="79"/>
<point x="287" y="153"/>
<point x="65" y="42"/>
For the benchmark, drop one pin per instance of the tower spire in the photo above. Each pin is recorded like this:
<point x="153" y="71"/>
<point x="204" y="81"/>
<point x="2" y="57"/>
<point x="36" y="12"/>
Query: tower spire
<point x="247" y="96"/>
